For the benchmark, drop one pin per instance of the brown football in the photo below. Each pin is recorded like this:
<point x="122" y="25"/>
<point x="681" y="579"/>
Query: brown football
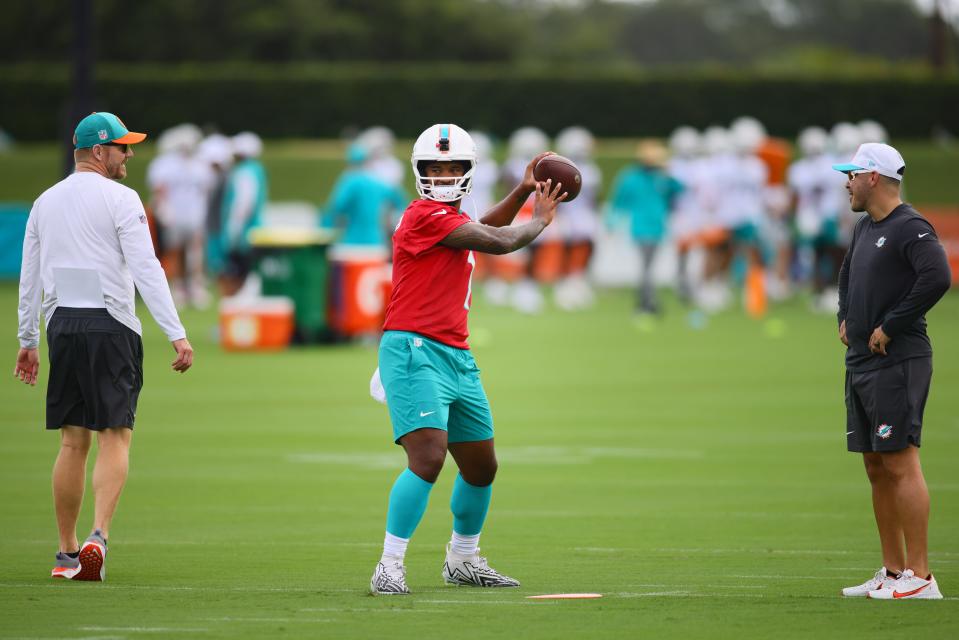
<point x="560" y="169"/>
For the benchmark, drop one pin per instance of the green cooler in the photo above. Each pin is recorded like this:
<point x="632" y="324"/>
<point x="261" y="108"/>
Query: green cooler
<point x="294" y="263"/>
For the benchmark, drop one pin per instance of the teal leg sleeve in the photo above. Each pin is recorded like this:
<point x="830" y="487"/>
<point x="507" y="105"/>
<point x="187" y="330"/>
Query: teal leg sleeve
<point x="469" y="505"/>
<point x="408" y="500"/>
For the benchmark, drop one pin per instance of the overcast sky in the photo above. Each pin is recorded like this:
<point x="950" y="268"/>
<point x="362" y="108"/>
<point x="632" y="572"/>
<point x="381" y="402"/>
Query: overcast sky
<point x="781" y="8"/>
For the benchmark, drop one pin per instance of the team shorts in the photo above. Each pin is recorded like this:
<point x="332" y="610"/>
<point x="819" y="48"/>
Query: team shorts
<point x="96" y="370"/>
<point x="884" y="407"/>
<point x="238" y="264"/>
<point x="430" y="385"/>
<point x="746" y="233"/>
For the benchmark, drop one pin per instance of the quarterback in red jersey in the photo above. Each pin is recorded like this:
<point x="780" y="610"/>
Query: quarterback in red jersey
<point x="432" y="385"/>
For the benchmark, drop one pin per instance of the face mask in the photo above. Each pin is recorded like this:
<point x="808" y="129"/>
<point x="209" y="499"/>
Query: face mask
<point x="445" y="193"/>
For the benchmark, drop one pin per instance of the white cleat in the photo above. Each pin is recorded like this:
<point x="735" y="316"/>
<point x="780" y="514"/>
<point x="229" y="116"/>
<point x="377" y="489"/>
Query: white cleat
<point x="389" y="578"/>
<point x="908" y="586"/>
<point x="878" y="581"/>
<point x="473" y="571"/>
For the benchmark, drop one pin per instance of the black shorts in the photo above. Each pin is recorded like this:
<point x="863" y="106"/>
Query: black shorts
<point x="96" y="370"/>
<point x="884" y="407"/>
<point x="238" y="265"/>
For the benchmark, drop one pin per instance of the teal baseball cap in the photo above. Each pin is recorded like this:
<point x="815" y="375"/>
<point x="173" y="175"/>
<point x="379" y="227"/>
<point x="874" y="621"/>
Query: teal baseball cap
<point x="102" y="127"/>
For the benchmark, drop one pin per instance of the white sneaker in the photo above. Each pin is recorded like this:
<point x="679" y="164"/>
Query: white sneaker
<point x="908" y="586"/>
<point x="473" y="571"/>
<point x="878" y="581"/>
<point x="389" y="578"/>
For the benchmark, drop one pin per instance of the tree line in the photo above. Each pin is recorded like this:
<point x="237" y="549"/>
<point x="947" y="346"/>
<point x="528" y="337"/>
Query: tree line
<point x="757" y="34"/>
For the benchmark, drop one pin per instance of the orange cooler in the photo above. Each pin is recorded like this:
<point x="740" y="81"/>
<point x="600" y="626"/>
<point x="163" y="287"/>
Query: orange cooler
<point x="359" y="289"/>
<point x="256" y="324"/>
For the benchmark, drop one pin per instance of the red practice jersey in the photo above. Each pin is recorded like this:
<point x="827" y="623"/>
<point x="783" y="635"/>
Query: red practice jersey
<point x="432" y="284"/>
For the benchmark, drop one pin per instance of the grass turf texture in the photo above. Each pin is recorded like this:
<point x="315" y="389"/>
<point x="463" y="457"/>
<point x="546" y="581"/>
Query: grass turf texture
<point x="697" y="478"/>
<point x="306" y="169"/>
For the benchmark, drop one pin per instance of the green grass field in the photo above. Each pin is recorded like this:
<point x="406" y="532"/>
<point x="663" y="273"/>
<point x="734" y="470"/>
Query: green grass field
<point x="306" y="169"/>
<point x="696" y="478"/>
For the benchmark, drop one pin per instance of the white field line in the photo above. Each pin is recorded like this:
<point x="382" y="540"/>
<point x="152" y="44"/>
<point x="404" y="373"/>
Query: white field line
<point x="59" y="637"/>
<point x="318" y="590"/>
<point x="146" y="629"/>
<point x="244" y="620"/>
<point x="762" y="551"/>
<point x="773" y="576"/>
<point x="220" y="543"/>
<point x="140" y="587"/>
<point x="485" y="601"/>
<point x="712" y="586"/>
<point x="515" y="455"/>
<point x="372" y="609"/>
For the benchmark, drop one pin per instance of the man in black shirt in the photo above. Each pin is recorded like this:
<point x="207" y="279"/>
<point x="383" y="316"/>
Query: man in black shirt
<point x="894" y="272"/>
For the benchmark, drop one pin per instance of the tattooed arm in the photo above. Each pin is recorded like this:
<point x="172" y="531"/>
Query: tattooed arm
<point x="499" y="240"/>
<point x="502" y="214"/>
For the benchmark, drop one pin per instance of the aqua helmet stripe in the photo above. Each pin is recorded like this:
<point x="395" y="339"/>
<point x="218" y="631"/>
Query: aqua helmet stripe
<point x="444" y="144"/>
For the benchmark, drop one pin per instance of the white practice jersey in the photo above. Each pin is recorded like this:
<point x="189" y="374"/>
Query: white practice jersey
<point x="578" y="219"/>
<point x="482" y="196"/>
<point x="716" y="173"/>
<point x="387" y="169"/>
<point x="744" y="197"/>
<point x="513" y="172"/>
<point x="183" y="185"/>
<point x="687" y="216"/>
<point x="840" y="197"/>
<point x="89" y="235"/>
<point x="813" y="182"/>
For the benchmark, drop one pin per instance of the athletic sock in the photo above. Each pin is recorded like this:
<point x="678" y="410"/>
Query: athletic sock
<point x="394" y="547"/>
<point x="74" y="555"/>
<point x="469" y="505"/>
<point x="464" y="545"/>
<point x="891" y="574"/>
<point x="408" y="500"/>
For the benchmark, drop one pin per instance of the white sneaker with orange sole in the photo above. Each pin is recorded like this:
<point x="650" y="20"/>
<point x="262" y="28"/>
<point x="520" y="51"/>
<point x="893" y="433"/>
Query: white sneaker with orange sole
<point x="908" y="587"/>
<point x="878" y="581"/>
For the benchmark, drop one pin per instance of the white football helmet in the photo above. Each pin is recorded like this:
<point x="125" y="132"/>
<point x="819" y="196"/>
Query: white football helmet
<point x="216" y="149"/>
<point x="872" y="131"/>
<point x="846" y="138"/>
<point x="685" y="142"/>
<point x="183" y="139"/>
<point x="747" y="134"/>
<point x="576" y="143"/>
<point x="247" y="145"/>
<point x="527" y="142"/>
<point x="484" y="146"/>
<point x="813" y="141"/>
<point x="716" y="141"/>
<point x="444" y="143"/>
<point x="378" y="141"/>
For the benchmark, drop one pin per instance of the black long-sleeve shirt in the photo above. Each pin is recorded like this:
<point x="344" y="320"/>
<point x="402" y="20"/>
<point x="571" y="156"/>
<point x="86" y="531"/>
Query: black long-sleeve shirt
<point x="894" y="272"/>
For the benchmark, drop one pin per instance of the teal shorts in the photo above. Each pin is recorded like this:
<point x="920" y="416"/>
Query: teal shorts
<point x="430" y="385"/>
<point x="746" y="233"/>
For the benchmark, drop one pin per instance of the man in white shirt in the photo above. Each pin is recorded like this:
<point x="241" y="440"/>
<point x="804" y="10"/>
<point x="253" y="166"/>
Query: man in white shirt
<point x="87" y="245"/>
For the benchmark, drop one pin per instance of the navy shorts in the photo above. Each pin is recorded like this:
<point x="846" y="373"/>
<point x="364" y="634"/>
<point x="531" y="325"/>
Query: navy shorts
<point x="884" y="407"/>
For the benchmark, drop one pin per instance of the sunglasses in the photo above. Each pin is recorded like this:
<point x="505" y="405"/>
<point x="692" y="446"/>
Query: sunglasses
<point x="851" y="175"/>
<point x="122" y="147"/>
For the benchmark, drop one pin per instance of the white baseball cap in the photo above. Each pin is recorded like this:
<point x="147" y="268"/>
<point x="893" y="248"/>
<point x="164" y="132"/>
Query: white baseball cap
<point x="878" y="157"/>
